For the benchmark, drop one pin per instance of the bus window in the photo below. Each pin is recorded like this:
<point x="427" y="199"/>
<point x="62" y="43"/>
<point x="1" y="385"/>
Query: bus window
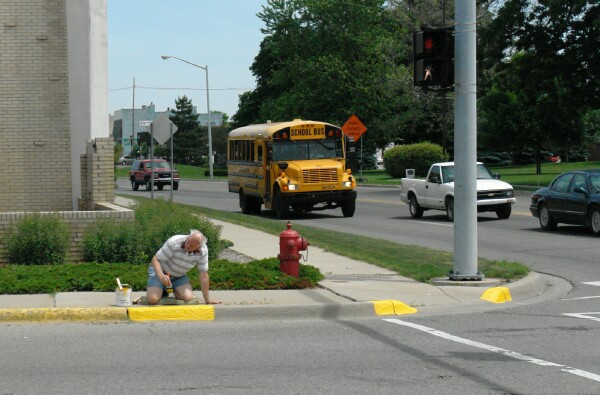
<point x="307" y="149"/>
<point x="260" y="154"/>
<point x="289" y="150"/>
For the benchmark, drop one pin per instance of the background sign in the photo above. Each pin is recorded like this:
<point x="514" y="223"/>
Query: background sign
<point x="354" y="127"/>
<point x="162" y="128"/>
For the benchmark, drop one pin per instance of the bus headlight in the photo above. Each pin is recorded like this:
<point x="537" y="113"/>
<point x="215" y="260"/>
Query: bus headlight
<point x="347" y="184"/>
<point x="292" y="187"/>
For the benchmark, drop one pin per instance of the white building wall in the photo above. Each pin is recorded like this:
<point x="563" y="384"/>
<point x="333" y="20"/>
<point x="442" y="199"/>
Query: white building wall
<point x="88" y="80"/>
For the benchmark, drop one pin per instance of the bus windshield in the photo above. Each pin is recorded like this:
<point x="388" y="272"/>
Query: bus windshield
<point x="307" y="149"/>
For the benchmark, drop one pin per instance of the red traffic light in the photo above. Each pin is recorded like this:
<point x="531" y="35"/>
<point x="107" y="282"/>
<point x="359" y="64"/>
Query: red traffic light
<point x="428" y="44"/>
<point x="433" y="51"/>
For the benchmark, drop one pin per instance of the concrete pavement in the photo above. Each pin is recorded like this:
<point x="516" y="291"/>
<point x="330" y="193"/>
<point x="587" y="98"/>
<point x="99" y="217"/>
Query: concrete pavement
<point x="350" y="289"/>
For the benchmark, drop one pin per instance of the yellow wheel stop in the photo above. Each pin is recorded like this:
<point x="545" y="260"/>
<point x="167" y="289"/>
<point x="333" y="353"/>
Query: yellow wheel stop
<point x="392" y="307"/>
<point x="497" y="295"/>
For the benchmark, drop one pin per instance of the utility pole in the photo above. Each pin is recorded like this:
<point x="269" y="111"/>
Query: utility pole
<point x="133" y="120"/>
<point x="465" y="145"/>
<point x="443" y="91"/>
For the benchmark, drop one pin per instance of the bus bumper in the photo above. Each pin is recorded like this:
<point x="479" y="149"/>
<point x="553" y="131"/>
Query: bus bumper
<point x="312" y="198"/>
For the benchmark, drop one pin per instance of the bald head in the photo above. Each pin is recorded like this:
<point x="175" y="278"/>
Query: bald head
<point x="193" y="241"/>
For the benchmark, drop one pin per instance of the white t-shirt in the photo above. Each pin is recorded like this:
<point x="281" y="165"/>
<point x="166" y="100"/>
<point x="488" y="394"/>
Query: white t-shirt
<point x="174" y="259"/>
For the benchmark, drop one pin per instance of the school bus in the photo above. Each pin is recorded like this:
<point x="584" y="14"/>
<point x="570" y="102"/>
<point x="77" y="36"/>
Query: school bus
<point x="299" y="164"/>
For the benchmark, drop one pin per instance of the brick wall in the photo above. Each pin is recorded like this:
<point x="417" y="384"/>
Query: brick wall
<point x="97" y="173"/>
<point x="79" y="222"/>
<point x="34" y="132"/>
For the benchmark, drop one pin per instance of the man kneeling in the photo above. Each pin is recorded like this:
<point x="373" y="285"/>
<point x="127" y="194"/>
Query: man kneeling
<point x="169" y="267"/>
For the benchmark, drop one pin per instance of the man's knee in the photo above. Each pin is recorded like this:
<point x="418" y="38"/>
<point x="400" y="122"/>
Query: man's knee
<point x="153" y="299"/>
<point x="184" y="294"/>
<point x="153" y="295"/>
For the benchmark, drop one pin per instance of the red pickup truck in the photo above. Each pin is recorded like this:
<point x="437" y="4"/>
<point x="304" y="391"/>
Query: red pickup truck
<point x="141" y="171"/>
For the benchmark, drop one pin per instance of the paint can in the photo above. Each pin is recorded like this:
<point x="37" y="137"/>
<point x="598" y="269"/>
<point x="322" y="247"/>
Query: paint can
<point x="124" y="295"/>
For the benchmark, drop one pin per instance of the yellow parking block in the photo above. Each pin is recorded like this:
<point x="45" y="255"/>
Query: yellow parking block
<point x="172" y="313"/>
<point x="497" y="295"/>
<point x="392" y="307"/>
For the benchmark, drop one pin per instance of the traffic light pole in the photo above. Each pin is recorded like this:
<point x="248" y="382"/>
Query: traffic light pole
<point x="465" y="145"/>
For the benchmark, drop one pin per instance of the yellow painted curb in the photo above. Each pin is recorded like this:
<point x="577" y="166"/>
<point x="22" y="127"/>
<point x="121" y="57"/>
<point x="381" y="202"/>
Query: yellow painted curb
<point x="64" y="314"/>
<point x="392" y="307"/>
<point x="172" y="313"/>
<point x="497" y="295"/>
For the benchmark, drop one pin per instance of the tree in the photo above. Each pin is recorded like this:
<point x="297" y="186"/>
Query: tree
<point x="326" y="60"/>
<point x="542" y="54"/>
<point x="189" y="144"/>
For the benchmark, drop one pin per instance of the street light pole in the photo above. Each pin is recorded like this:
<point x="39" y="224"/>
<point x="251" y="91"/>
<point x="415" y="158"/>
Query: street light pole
<point x="210" y="151"/>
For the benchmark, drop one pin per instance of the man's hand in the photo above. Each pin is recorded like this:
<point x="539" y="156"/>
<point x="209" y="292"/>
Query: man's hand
<point x="212" y="301"/>
<point x="166" y="280"/>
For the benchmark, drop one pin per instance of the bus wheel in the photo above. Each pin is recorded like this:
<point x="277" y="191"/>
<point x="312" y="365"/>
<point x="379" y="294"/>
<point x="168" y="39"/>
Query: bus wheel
<point x="348" y="208"/>
<point x="280" y="207"/>
<point x="255" y="206"/>
<point x="245" y="203"/>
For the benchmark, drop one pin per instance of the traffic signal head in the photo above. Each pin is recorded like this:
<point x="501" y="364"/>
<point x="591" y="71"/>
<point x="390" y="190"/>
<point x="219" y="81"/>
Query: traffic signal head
<point x="433" y="57"/>
<point x="434" y="72"/>
<point x="429" y="43"/>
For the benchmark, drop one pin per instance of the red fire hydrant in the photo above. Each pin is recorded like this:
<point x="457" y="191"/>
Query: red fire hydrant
<point x="290" y="245"/>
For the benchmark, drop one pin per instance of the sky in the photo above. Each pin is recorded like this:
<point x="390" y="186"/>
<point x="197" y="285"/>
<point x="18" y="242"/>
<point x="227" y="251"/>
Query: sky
<point x="221" y="34"/>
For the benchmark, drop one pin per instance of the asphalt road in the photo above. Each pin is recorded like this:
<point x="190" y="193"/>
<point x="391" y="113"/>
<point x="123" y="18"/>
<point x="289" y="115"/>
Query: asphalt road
<point x="532" y="347"/>
<point x="291" y="357"/>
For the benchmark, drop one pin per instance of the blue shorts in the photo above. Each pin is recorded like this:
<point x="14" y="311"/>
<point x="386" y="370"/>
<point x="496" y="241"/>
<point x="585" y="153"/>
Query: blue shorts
<point x="154" y="281"/>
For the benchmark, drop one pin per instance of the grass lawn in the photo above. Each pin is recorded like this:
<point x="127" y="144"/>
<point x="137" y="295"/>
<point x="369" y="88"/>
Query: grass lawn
<point x="523" y="176"/>
<point x="185" y="172"/>
<point x="419" y="263"/>
<point x="518" y="175"/>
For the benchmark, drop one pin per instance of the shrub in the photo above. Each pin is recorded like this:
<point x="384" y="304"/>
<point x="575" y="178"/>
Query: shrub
<point x="414" y="156"/>
<point x="100" y="277"/>
<point x="38" y="240"/>
<point x="156" y="221"/>
<point x="107" y="241"/>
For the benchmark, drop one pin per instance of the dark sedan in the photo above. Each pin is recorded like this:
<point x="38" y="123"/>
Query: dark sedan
<point x="572" y="198"/>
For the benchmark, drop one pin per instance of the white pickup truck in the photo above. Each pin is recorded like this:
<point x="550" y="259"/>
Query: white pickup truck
<point x="437" y="192"/>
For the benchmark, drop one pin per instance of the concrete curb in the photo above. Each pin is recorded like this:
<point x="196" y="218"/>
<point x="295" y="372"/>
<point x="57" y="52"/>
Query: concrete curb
<point x="535" y="287"/>
<point x="207" y="312"/>
<point x="97" y="314"/>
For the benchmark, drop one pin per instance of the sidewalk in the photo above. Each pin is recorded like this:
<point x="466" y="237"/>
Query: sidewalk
<point x="350" y="289"/>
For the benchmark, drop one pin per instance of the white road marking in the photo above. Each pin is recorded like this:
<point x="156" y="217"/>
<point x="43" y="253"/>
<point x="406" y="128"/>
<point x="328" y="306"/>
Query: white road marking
<point x="587" y="316"/>
<point x="596" y="283"/>
<point x="487" y="347"/>
<point x="433" y="223"/>
<point x="583" y="297"/>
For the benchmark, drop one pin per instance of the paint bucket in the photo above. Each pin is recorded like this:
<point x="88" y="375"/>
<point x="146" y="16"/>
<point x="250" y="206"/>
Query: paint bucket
<point x="124" y="295"/>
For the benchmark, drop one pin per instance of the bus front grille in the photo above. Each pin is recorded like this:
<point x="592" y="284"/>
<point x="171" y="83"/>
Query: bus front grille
<point x="318" y="176"/>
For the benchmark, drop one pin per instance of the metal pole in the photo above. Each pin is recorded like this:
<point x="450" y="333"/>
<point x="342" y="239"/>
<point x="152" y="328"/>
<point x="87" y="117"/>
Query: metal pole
<point x="152" y="160"/>
<point x="210" y="153"/>
<point x="133" y="120"/>
<point x="205" y="68"/>
<point x="171" y="128"/>
<point x="465" y="145"/>
<point x="361" y="160"/>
